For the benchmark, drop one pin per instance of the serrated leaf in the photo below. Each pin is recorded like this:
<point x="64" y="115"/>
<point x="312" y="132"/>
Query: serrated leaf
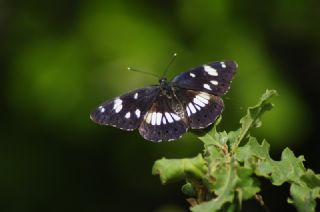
<point x="222" y="179"/>
<point x="208" y="136"/>
<point x="303" y="197"/>
<point x="253" y="117"/>
<point x="229" y="180"/>
<point x="288" y="169"/>
<point x="233" y="137"/>
<point x="214" y="143"/>
<point x="311" y="179"/>
<point x="225" y="179"/>
<point x="213" y="156"/>
<point x="223" y="186"/>
<point x="247" y="186"/>
<point x="256" y="157"/>
<point x="253" y="149"/>
<point x="171" y="170"/>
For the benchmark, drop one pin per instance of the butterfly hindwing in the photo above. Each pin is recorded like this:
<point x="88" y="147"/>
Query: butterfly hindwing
<point x="214" y="78"/>
<point x="202" y="108"/>
<point x="164" y="121"/>
<point x="127" y="111"/>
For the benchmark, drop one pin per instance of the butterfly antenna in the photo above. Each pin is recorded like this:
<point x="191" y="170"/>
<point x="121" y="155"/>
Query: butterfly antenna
<point x="169" y="64"/>
<point x="144" y="72"/>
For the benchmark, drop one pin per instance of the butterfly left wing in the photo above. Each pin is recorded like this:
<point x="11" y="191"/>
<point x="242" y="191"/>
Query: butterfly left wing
<point x="213" y="78"/>
<point x="127" y="111"/>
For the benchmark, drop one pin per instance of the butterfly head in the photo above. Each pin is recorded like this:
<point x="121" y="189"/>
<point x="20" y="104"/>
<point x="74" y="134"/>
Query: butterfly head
<point x="165" y="87"/>
<point x="163" y="81"/>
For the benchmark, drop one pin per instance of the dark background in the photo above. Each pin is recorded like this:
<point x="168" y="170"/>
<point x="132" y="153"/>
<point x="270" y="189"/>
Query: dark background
<point x="60" y="59"/>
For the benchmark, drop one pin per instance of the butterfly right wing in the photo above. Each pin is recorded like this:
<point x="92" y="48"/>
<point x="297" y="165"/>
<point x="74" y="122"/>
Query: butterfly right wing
<point x="202" y="109"/>
<point x="213" y="78"/>
<point x="127" y="111"/>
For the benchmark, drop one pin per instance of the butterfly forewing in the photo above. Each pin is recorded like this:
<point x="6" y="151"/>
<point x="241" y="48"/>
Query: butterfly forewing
<point x="214" y="78"/>
<point x="165" y="120"/>
<point x="202" y="108"/>
<point x="127" y="111"/>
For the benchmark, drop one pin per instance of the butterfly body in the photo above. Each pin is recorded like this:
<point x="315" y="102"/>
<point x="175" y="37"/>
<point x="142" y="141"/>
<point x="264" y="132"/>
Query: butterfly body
<point x="166" y="111"/>
<point x="166" y="88"/>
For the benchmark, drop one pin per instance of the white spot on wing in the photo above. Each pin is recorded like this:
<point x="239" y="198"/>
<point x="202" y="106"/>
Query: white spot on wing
<point x="198" y="102"/>
<point x="148" y="118"/>
<point x="214" y="82"/>
<point x="168" y="116"/>
<point x="192" y="108"/>
<point x="117" y="102"/>
<point x="159" y="116"/>
<point x="118" y="108"/>
<point x="211" y="71"/>
<point x="117" y="105"/>
<point x="164" y="121"/>
<point x="135" y="96"/>
<point x="102" y="109"/>
<point x="223" y="65"/>
<point x="175" y="116"/>
<point x="202" y="99"/>
<point x="188" y="111"/>
<point x="206" y="86"/>
<point x="154" y="118"/>
<point x="204" y="95"/>
<point x="128" y="114"/>
<point x="137" y="112"/>
<point x="198" y="108"/>
<point x="192" y="75"/>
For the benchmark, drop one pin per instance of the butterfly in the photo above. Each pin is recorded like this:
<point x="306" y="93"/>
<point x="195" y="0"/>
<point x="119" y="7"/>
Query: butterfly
<point x="164" y="112"/>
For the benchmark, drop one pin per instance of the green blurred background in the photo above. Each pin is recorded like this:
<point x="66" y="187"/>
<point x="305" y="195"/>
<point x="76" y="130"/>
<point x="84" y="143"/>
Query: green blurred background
<point x="60" y="59"/>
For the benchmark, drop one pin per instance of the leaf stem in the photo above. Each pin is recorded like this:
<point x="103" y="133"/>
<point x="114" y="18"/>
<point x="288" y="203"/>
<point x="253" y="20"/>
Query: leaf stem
<point x="259" y="198"/>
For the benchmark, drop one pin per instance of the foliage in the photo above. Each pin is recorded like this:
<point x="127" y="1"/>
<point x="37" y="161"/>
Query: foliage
<point x="227" y="172"/>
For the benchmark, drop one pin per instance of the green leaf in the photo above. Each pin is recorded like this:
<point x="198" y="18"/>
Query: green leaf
<point x="223" y="185"/>
<point x="233" y="137"/>
<point x="253" y="117"/>
<point x="288" y="169"/>
<point x="188" y="190"/>
<point x="305" y="185"/>
<point x="229" y="179"/>
<point x="208" y="137"/>
<point x="256" y="157"/>
<point x="247" y="186"/>
<point x="311" y="179"/>
<point x="214" y="143"/>
<point x="221" y="179"/>
<point x="303" y="197"/>
<point x="171" y="170"/>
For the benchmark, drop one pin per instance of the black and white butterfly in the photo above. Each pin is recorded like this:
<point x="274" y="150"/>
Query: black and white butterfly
<point x="166" y="111"/>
